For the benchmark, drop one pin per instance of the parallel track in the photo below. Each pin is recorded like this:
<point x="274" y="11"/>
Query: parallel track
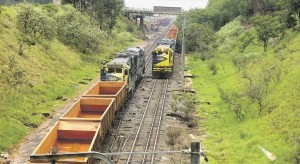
<point x="126" y="137"/>
<point x="120" y="115"/>
<point x="146" y="136"/>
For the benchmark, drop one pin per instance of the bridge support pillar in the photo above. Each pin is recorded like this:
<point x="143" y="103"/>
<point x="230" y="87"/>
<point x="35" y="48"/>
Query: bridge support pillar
<point x="135" y="20"/>
<point x="141" y="19"/>
<point x="141" y="23"/>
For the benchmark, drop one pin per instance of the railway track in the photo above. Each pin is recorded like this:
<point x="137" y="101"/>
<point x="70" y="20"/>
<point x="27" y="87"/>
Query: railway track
<point x="139" y="129"/>
<point x="146" y="136"/>
<point x="137" y="125"/>
<point x="120" y="115"/>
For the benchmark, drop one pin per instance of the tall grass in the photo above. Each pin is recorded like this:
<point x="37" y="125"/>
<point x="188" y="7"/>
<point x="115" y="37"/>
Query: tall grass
<point x="230" y="139"/>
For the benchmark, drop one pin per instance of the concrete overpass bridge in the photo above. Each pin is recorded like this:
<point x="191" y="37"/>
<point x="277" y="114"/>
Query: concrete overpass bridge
<point x="140" y="13"/>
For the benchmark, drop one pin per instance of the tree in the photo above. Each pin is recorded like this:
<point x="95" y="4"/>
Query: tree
<point x="34" y="26"/>
<point x="200" y="37"/>
<point x="245" y="8"/>
<point x="106" y="12"/>
<point x="294" y="6"/>
<point x="80" y="5"/>
<point x="268" y="26"/>
<point x="78" y="31"/>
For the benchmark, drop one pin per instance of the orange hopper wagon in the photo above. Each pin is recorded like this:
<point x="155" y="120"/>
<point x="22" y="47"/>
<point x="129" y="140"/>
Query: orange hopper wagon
<point x="70" y="136"/>
<point x="172" y="33"/>
<point x="83" y="126"/>
<point x="109" y="89"/>
<point x="92" y="109"/>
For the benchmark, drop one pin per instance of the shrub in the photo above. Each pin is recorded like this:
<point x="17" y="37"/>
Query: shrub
<point x="50" y="9"/>
<point x="213" y="67"/>
<point x="224" y="95"/>
<point x="79" y="32"/>
<point x="172" y="135"/>
<point x="239" y="61"/>
<point x="12" y="74"/>
<point x="235" y="102"/>
<point x="184" y="103"/>
<point x="1" y="9"/>
<point x="34" y="26"/>
<point x="130" y="28"/>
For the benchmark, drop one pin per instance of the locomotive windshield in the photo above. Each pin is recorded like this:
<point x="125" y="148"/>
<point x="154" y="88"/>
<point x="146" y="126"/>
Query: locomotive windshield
<point x="131" y="52"/>
<point x="110" y="70"/>
<point x="118" y="70"/>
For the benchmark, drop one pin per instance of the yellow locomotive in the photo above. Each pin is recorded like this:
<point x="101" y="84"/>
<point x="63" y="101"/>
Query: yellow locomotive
<point x="162" y="61"/>
<point x="128" y="66"/>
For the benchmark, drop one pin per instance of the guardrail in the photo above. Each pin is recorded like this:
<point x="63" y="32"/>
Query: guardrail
<point x="195" y="153"/>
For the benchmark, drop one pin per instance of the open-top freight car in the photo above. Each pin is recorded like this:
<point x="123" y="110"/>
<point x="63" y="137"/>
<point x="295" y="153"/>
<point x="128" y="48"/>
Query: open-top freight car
<point x="109" y="89"/>
<point x="100" y="110"/>
<point x="83" y="126"/>
<point x="172" y="33"/>
<point x="70" y="137"/>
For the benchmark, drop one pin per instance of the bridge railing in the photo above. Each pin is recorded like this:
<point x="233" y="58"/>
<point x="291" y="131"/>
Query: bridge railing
<point x="138" y="9"/>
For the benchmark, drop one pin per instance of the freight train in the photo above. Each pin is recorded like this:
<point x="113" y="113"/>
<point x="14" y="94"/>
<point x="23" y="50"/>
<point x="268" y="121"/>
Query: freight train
<point x="163" y="55"/>
<point x="84" y="125"/>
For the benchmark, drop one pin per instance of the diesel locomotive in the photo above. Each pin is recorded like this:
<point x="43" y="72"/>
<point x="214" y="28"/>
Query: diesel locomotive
<point x="127" y="66"/>
<point x="163" y="55"/>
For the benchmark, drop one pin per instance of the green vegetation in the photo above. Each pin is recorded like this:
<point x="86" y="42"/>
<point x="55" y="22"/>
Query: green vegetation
<point x="248" y="69"/>
<point x="185" y="106"/>
<point x="49" y="54"/>
<point x="105" y="12"/>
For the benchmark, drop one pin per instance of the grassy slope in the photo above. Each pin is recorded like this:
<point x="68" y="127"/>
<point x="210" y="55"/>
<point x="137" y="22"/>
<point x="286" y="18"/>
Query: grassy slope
<point x="230" y="140"/>
<point x="51" y="70"/>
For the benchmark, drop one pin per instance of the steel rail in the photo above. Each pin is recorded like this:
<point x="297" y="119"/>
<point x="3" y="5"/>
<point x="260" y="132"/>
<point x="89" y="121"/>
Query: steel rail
<point x="141" y="122"/>
<point x="152" y="125"/>
<point x="148" y="55"/>
<point x="159" y="123"/>
<point x="119" y="124"/>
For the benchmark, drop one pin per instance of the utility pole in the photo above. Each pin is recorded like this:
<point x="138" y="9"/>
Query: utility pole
<point x="195" y="150"/>
<point x="183" y="54"/>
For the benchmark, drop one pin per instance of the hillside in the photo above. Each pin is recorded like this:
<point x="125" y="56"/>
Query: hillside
<point x="38" y="74"/>
<point x="245" y="59"/>
<point x="253" y="94"/>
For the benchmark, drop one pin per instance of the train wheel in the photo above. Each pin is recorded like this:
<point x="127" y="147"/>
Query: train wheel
<point x="154" y="75"/>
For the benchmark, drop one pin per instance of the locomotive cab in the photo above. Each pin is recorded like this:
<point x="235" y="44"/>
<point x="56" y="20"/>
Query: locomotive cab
<point x="114" y="74"/>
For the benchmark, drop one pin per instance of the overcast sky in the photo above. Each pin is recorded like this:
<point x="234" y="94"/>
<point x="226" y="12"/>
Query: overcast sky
<point x="185" y="4"/>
